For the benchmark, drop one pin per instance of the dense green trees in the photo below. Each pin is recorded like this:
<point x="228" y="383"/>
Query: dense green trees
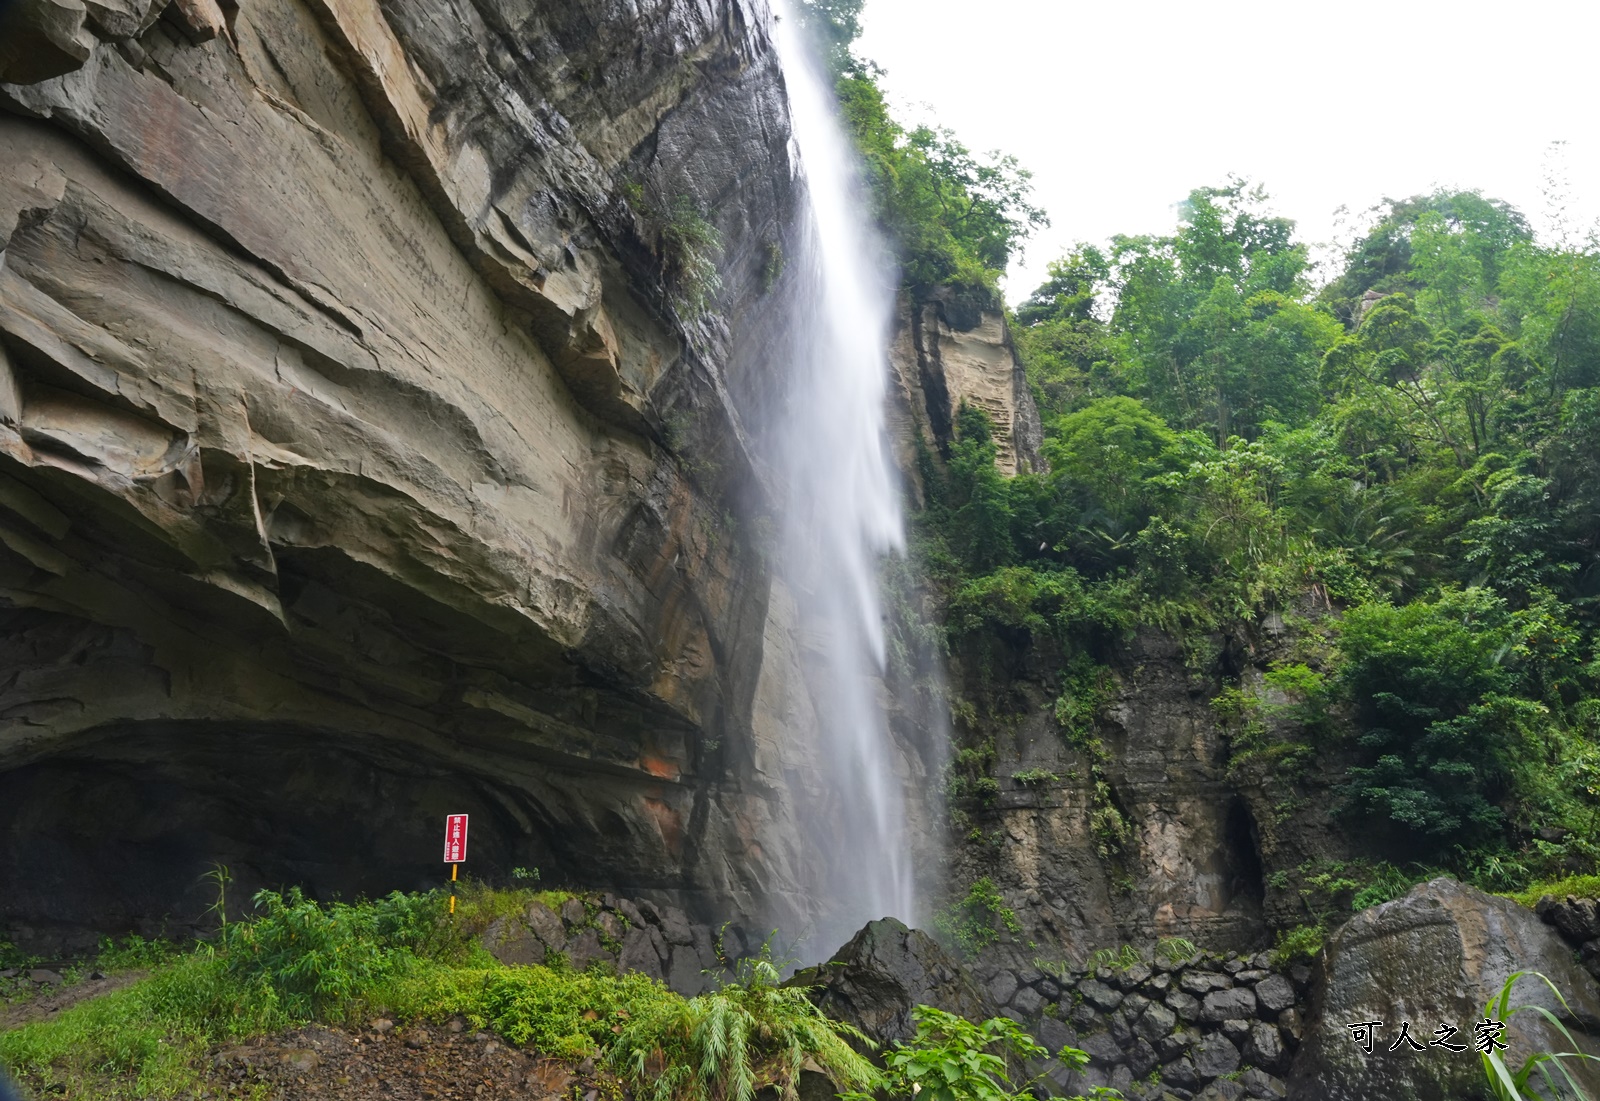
<point x="954" y="217"/>
<point x="1414" y="446"/>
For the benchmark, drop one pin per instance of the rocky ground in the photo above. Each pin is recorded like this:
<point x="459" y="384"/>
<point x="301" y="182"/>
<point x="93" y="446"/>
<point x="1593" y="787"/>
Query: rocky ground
<point x="385" y="1062"/>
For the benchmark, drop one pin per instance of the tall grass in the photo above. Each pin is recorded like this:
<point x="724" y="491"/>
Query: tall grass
<point x="1551" y="1067"/>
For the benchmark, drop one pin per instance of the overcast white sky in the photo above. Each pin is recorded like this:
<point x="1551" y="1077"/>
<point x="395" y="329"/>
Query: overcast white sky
<point x="1121" y="106"/>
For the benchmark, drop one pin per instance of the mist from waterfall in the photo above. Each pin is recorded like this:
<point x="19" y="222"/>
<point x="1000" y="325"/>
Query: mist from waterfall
<point x="843" y="512"/>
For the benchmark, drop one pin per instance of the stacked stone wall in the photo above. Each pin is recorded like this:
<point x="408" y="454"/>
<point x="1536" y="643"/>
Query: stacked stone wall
<point x="1204" y="1027"/>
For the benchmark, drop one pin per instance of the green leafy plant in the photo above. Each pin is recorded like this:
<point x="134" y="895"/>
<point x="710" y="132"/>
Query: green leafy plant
<point x="1116" y="959"/>
<point x="1035" y="777"/>
<point x="749" y="1034"/>
<point x="690" y="248"/>
<point x="1176" y="949"/>
<point x="1551" y="1067"/>
<point x="317" y="960"/>
<point x="1303" y="942"/>
<point x="978" y="920"/>
<point x="953" y="1059"/>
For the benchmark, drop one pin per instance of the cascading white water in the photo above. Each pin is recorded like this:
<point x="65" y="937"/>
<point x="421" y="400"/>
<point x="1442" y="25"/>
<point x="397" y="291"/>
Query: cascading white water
<point x="844" y="510"/>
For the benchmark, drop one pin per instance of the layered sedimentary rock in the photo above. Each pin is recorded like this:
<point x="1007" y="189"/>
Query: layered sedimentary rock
<point x="947" y="354"/>
<point x="362" y="458"/>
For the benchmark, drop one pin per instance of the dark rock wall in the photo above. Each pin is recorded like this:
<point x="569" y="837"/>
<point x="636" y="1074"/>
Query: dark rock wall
<point x="1175" y="1028"/>
<point x="357" y="461"/>
<point x="1164" y="830"/>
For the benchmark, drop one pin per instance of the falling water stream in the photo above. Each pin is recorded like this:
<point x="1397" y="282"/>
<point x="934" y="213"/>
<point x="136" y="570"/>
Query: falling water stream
<point x="844" y="509"/>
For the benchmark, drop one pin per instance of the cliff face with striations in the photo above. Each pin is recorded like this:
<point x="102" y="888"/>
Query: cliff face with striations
<point x="361" y="460"/>
<point x="945" y="355"/>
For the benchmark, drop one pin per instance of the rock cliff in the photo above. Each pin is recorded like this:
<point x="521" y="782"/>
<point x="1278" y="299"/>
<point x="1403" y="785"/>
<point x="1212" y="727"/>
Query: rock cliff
<point x="364" y="456"/>
<point x="946" y="354"/>
<point x="1146" y="819"/>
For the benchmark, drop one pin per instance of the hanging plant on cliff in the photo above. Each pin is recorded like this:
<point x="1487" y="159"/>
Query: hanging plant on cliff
<point x="690" y="248"/>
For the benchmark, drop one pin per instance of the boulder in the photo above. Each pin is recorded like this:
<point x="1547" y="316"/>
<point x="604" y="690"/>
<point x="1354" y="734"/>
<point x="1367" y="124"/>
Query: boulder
<point x="1027" y="1002"/>
<point x="1181" y="1073"/>
<point x="1216" y="1055"/>
<point x="1002" y="987"/>
<point x="1275" y="993"/>
<point x="1432" y="958"/>
<point x="1156" y="1022"/>
<point x="1053" y="1035"/>
<point x="585" y="948"/>
<point x="1225" y="1005"/>
<point x="886" y="970"/>
<point x="1098" y="994"/>
<point x="1184" y="1005"/>
<point x="1258" y="1083"/>
<point x="513" y="943"/>
<point x="1264" y="1047"/>
<point x="639" y="954"/>
<point x="1102" y="1047"/>
<point x="546" y="925"/>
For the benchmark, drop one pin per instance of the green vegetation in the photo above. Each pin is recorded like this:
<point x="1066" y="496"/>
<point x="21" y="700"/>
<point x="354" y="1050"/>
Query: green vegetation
<point x="725" y="1045"/>
<point x="405" y="956"/>
<point x="954" y="217"/>
<point x="952" y="1059"/>
<point x="977" y="921"/>
<point x="1551" y="1067"/>
<point x="1303" y="942"/>
<point x="1176" y="949"/>
<point x="1400" y="465"/>
<point x="297" y="961"/>
<point x="1579" y="886"/>
<point x="690" y="247"/>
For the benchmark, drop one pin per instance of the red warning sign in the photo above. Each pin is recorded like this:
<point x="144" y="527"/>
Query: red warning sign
<point x="455" y="839"/>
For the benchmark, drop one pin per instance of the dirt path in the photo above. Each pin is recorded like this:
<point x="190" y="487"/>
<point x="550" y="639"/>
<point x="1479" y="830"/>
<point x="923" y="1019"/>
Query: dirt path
<point x="386" y="1063"/>
<point x="51" y="1000"/>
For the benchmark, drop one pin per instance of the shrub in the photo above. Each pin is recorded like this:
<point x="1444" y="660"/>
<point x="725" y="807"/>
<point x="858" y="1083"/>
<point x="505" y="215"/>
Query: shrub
<point x="978" y="920"/>
<point x="690" y="248"/>
<point x="1551" y="1067"/>
<point x="952" y="1059"/>
<point x="1303" y="942"/>
<point x="749" y="1034"/>
<point x="318" y="962"/>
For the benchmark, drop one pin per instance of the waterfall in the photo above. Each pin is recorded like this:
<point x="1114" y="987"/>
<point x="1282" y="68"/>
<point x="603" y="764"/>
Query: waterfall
<point x="843" y="513"/>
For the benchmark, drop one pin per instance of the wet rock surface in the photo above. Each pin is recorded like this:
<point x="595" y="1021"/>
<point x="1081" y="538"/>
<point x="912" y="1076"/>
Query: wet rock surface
<point x="357" y="465"/>
<point x="884" y="972"/>
<point x="1578" y="922"/>
<point x="1148" y="1036"/>
<point x="1434" y="958"/>
<point x="626" y="935"/>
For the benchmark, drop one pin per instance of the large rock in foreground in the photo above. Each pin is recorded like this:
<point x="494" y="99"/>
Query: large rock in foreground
<point x="1434" y="958"/>
<point x="887" y="970"/>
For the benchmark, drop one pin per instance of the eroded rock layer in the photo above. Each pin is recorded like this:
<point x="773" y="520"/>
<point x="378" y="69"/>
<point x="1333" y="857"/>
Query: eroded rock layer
<point x="361" y="456"/>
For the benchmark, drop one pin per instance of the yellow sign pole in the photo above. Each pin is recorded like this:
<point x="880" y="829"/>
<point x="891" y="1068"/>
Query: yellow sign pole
<point x="453" y="868"/>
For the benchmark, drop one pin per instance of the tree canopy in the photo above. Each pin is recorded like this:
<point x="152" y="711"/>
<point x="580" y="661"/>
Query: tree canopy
<point x="1413" y="447"/>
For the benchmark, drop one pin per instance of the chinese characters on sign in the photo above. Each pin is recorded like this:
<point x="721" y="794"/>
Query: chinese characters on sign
<point x="455" y="839"/>
<point x="1485" y="1036"/>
